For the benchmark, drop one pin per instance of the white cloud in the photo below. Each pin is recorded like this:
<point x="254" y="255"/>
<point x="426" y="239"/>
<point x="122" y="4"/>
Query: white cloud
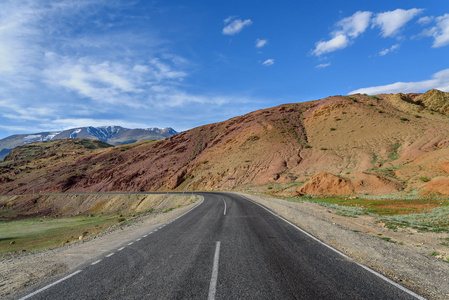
<point x="235" y="26"/>
<point x="354" y="25"/>
<point x="425" y="20"/>
<point x="261" y="43"/>
<point x="268" y="62"/>
<point x="439" y="80"/>
<point x="347" y="29"/>
<point x="388" y="50"/>
<point x="441" y="31"/>
<point x="322" y="66"/>
<point x="62" y="124"/>
<point x="391" y="22"/>
<point x="337" y="43"/>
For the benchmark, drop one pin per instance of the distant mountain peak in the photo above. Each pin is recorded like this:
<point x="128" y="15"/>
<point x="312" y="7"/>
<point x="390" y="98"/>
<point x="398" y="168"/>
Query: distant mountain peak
<point x="114" y="135"/>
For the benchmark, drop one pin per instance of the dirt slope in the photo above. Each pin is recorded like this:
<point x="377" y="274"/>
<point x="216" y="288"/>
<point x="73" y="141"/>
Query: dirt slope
<point x="374" y="142"/>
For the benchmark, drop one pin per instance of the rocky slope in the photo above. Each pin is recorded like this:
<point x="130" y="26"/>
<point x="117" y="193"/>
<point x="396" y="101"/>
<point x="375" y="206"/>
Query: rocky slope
<point x="376" y="144"/>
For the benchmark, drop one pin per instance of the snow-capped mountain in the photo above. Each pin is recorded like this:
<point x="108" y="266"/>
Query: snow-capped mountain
<point x="114" y="135"/>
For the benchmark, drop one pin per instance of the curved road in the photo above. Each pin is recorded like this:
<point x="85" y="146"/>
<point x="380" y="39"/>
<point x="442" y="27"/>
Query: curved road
<point x="226" y="248"/>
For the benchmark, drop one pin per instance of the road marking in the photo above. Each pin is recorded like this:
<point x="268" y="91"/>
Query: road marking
<point x="129" y="244"/>
<point x="95" y="262"/>
<point x="224" y="213"/>
<point x="121" y="249"/>
<point x="341" y="253"/>
<point x="110" y="254"/>
<point x="145" y="235"/>
<point x="50" y="285"/>
<point x="138" y="239"/>
<point x="213" y="280"/>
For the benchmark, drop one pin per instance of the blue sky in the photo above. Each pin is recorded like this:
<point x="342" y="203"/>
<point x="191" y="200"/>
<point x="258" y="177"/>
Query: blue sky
<point x="181" y="64"/>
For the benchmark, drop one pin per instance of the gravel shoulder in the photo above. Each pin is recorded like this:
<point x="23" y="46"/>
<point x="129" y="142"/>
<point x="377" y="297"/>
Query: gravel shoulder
<point x="24" y="271"/>
<point x="407" y="260"/>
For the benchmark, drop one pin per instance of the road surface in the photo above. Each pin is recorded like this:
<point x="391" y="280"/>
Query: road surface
<point x="225" y="248"/>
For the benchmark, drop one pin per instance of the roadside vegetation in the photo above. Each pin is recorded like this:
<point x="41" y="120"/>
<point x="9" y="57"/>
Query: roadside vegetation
<point x="20" y="234"/>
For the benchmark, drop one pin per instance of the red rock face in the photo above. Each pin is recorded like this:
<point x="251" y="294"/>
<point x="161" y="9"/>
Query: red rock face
<point x="327" y="184"/>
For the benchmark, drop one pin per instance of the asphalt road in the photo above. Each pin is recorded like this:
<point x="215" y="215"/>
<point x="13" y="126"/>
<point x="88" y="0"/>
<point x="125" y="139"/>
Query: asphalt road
<point x="225" y="248"/>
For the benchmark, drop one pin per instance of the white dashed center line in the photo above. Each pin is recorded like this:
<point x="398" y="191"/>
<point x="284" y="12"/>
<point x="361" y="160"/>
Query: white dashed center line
<point x="213" y="280"/>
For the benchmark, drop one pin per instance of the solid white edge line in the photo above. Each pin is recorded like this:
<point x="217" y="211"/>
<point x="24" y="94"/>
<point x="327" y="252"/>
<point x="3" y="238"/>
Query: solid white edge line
<point x="50" y="285"/>
<point x="341" y="253"/>
<point x="213" y="280"/>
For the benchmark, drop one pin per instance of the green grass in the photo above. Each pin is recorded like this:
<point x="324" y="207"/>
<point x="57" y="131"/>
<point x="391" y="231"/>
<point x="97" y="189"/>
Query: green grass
<point x="38" y="233"/>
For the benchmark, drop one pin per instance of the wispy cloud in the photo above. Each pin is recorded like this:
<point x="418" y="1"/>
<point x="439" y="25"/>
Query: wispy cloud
<point x="268" y="62"/>
<point x="234" y="26"/>
<point x="322" y="66"/>
<point x="391" y="22"/>
<point x="441" y="31"/>
<point x="439" y="81"/>
<point x="261" y="43"/>
<point x="354" y="25"/>
<point x="388" y="50"/>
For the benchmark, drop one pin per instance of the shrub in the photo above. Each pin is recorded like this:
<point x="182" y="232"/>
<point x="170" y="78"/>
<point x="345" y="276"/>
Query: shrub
<point x="322" y="148"/>
<point x="121" y="219"/>
<point x="381" y="111"/>
<point x="418" y="116"/>
<point x="307" y="146"/>
<point x="404" y="119"/>
<point x="333" y="129"/>
<point x="424" y="179"/>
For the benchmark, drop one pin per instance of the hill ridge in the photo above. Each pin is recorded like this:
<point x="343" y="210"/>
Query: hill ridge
<point x="380" y="144"/>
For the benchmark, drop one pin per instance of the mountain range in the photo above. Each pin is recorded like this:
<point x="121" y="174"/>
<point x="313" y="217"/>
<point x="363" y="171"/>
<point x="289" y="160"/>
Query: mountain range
<point x="114" y="135"/>
<point x="383" y="145"/>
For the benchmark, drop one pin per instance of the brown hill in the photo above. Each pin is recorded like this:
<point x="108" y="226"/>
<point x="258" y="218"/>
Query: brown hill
<point x="379" y="144"/>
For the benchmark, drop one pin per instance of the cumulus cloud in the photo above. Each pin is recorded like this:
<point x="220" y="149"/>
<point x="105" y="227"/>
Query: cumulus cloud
<point x="261" y="43"/>
<point x="337" y="43"/>
<point x="347" y="29"/>
<point x="388" y="50"/>
<point x="438" y="81"/>
<point x="234" y="26"/>
<point x="268" y="62"/>
<point x="391" y="22"/>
